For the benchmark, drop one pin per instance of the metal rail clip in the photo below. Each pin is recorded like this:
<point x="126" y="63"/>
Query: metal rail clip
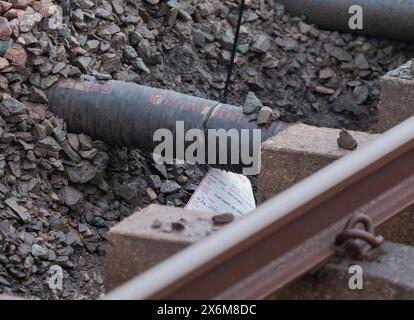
<point x="359" y="243"/>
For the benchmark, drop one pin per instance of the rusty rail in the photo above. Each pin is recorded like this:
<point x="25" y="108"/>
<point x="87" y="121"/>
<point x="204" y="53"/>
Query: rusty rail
<point x="293" y="232"/>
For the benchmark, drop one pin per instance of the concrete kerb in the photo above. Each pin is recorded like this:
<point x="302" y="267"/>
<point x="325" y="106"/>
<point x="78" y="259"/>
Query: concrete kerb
<point x="147" y="237"/>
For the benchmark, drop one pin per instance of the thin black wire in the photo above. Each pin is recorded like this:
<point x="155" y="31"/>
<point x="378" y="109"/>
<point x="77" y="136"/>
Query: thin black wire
<point x="223" y="98"/>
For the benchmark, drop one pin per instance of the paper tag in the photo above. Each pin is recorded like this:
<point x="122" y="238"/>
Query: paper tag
<point x="223" y="192"/>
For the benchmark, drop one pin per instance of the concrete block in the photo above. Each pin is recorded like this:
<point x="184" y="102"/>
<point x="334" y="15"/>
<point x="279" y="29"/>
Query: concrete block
<point x="300" y="151"/>
<point x="147" y="237"/>
<point x="297" y="153"/>
<point x="397" y="98"/>
<point x="390" y="276"/>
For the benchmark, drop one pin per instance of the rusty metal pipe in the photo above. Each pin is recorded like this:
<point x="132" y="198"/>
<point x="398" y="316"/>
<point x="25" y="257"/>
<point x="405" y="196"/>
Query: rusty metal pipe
<point x="381" y="18"/>
<point x="128" y="114"/>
